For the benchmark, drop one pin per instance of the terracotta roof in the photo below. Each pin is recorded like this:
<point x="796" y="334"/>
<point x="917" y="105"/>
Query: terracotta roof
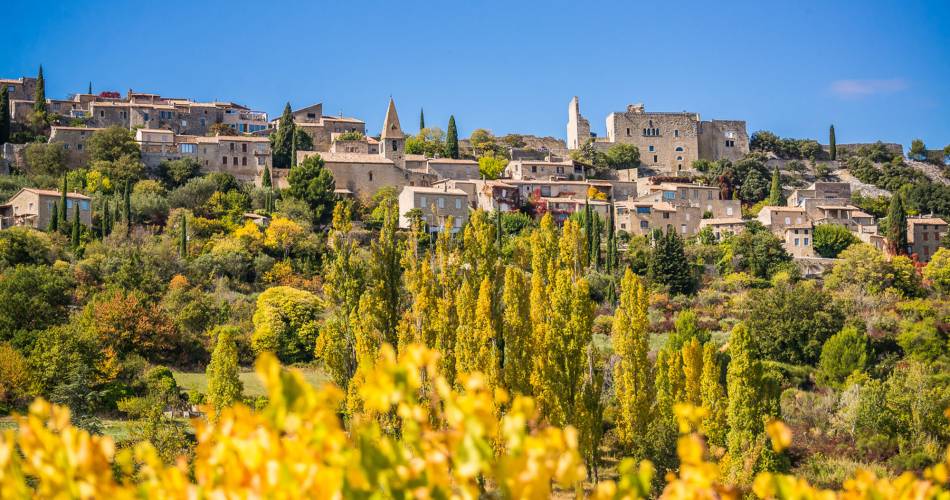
<point x="452" y="160"/>
<point x="57" y="127"/>
<point x="837" y="207"/>
<point x="342" y="119"/>
<point x="805" y="225"/>
<point x="415" y="157"/>
<point x="781" y="208"/>
<point x="236" y="138"/>
<point x="724" y="220"/>
<point x="435" y="190"/>
<point x="330" y="157"/>
<point x="50" y="192"/>
<point x="926" y="220"/>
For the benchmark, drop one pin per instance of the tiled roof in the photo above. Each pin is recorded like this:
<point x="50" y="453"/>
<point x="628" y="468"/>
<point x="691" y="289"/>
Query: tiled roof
<point x="330" y="157"/>
<point x="435" y="190"/>
<point x="926" y="220"/>
<point x="236" y="138"/>
<point x="50" y="192"/>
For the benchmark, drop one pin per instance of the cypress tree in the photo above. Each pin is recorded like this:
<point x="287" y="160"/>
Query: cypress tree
<point x="106" y="219"/>
<point x="224" y="384"/>
<point x="39" y="97"/>
<point x="498" y="232"/>
<point x="897" y="225"/>
<point x="54" y="220"/>
<point x="422" y="119"/>
<point x="775" y="193"/>
<point x="127" y="208"/>
<point x="293" y="145"/>
<point x="669" y="266"/>
<point x="4" y="115"/>
<point x="588" y="232"/>
<point x="62" y="201"/>
<point x="265" y="177"/>
<point x="90" y="88"/>
<point x="452" y="139"/>
<point x="595" y="245"/>
<point x="283" y="139"/>
<point x="832" y="145"/>
<point x="183" y="238"/>
<point x="611" y="240"/>
<point x="76" y="224"/>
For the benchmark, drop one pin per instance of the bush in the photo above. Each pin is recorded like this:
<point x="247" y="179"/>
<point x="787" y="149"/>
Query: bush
<point x="24" y="245"/>
<point x="832" y="239"/>
<point x="285" y="323"/>
<point x="843" y="354"/>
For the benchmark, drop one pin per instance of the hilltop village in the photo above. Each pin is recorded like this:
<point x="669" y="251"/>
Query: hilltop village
<point x="669" y="305"/>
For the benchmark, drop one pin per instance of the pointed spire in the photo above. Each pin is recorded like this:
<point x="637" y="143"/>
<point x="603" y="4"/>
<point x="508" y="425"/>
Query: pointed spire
<point x="391" y="128"/>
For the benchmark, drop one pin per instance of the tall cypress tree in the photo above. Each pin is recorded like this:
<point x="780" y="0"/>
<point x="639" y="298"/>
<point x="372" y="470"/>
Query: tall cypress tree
<point x="39" y="96"/>
<point x="588" y="232"/>
<point x="775" y="193"/>
<point x="452" y="139"/>
<point x="832" y="145"/>
<point x="669" y="266"/>
<point x="106" y="219"/>
<point x="897" y="225"/>
<point x="265" y="177"/>
<point x="54" y="221"/>
<point x="283" y="139"/>
<point x="90" y="88"/>
<point x="76" y="224"/>
<point x="183" y="238"/>
<point x="611" y="240"/>
<point x="4" y="115"/>
<point x="293" y="145"/>
<point x="127" y="208"/>
<point x="62" y="201"/>
<point x="422" y="119"/>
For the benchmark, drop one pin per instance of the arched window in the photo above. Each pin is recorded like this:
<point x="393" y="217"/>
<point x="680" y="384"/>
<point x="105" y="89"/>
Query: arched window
<point x="679" y="148"/>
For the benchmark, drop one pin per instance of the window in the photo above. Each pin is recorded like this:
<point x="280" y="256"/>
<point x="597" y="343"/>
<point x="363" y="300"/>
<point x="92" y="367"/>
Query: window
<point x="644" y="224"/>
<point x="69" y="204"/>
<point x="730" y="143"/>
<point x="102" y="114"/>
<point x="311" y="115"/>
<point x="534" y="169"/>
<point x="458" y="222"/>
<point x="683" y="228"/>
<point x="79" y="147"/>
<point x="371" y="176"/>
<point x="458" y="203"/>
<point x="687" y="217"/>
<point x="187" y="148"/>
<point x="628" y="132"/>
<point x="395" y="147"/>
<point x="669" y="195"/>
<point x="806" y="242"/>
<point x="441" y="202"/>
<point x="545" y="190"/>
<point x="203" y="121"/>
<point x="643" y="210"/>
<point x="560" y="170"/>
<point x="260" y="161"/>
<point x="679" y="158"/>
<point x="650" y="148"/>
<point x="243" y="161"/>
<point x="679" y="149"/>
<point x="224" y="160"/>
<point x="788" y="221"/>
<point x="244" y="147"/>
<point x="234" y="161"/>
<point x="655" y="159"/>
<point x="728" y="210"/>
<point x="84" y="205"/>
<point x="66" y="147"/>
<point x="145" y="116"/>
<point x="676" y="133"/>
<point x="798" y="220"/>
<point x="925" y="236"/>
<point x="232" y="146"/>
<point x="666" y="215"/>
<point x="260" y="149"/>
<point x="422" y="201"/>
<point x="796" y="241"/>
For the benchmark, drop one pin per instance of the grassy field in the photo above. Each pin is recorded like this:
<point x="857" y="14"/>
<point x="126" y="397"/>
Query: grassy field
<point x="252" y="385"/>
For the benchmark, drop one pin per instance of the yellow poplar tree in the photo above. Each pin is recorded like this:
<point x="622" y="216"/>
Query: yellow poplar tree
<point x="446" y="262"/>
<point x="418" y="324"/>
<point x="519" y="345"/>
<point x="476" y="351"/>
<point x="692" y="355"/>
<point x="632" y="378"/>
<point x="465" y="334"/>
<point x="713" y="398"/>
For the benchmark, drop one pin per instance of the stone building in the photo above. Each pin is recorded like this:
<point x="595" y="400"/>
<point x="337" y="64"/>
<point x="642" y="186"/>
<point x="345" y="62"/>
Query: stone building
<point x="437" y="204"/>
<point x="34" y="208"/>
<point x="707" y="198"/>
<point x="244" y="157"/>
<point x="798" y="239"/>
<point x="777" y="218"/>
<point x="667" y="141"/>
<point x="550" y="168"/>
<point x="722" y="227"/>
<point x="924" y="234"/>
<point x="73" y="140"/>
<point x="323" y="129"/>
<point x="640" y="218"/>
<point x="449" y="168"/>
<point x="20" y="89"/>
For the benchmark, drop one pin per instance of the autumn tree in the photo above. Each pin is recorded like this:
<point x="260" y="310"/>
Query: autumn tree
<point x="633" y="380"/>
<point x="692" y="355"/>
<point x="384" y="276"/>
<point x="286" y="323"/>
<point x="713" y="397"/>
<point x="224" y="384"/>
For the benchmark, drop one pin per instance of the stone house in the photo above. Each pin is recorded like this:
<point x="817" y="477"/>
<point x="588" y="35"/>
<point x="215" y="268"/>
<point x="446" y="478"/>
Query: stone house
<point x="561" y="208"/>
<point x="487" y="195"/>
<point x="667" y="141"/>
<point x="706" y="198"/>
<point x="723" y="227"/>
<point x="924" y="234"/>
<point x="244" y="157"/>
<point x="640" y="218"/>
<point x="34" y="208"/>
<point x="798" y="240"/>
<point x="551" y="168"/>
<point x="73" y="140"/>
<point x="158" y="145"/>
<point x="437" y="205"/>
<point x="20" y="89"/>
<point x="449" y="168"/>
<point x="777" y="218"/>
<point x="821" y="191"/>
<point x="323" y="129"/>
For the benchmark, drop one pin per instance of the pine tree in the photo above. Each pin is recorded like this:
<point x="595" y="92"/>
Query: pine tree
<point x="775" y="193"/>
<point x="897" y="225"/>
<point x="692" y="354"/>
<point x="265" y="178"/>
<point x="422" y="119"/>
<point x="39" y="97"/>
<point x="832" y="144"/>
<point x="519" y="345"/>
<point x="632" y="378"/>
<point x="224" y="383"/>
<point x="183" y="238"/>
<point x="713" y="398"/>
<point x="452" y="139"/>
<point x="669" y="266"/>
<point x="127" y="208"/>
<point x="75" y="227"/>
<point x="745" y="410"/>
<point x="4" y="115"/>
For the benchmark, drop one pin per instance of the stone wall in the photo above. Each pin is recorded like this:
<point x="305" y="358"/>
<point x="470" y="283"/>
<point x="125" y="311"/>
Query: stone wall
<point x="723" y="139"/>
<point x="668" y="141"/>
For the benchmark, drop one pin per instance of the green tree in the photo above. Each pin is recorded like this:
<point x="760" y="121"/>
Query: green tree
<point x="897" y="225"/>
<point x="312" y="183"/>
<point x="685" y="328"/>
<point x="918" y="151"/>
<point x="266" y="181"/>
<point x="623" y="156"/>
<point x="285" y="323"/>
<point x="491" y="167"/>
<point x="384" y="274"/>
<point x="39" y="96"/>
<point x="24" y="245"/>
<point x="62" y="202"/>
<point x="832" y="239"/>
<point x="937" y="271"/>
<point x="713" y="397"/>
<point x="476" y="350"/>
<point x="177" y="172"/>
<point x="832" y="144"/>
<point x="183" y="238"/>
<point x="422" y="119"/>
<point x="863" y="268"/>
<point x="518" y="351"/>
<point x="4" y="115"/>
<point x="127" y="208"/>
<point x="112" y="144"/>
<point x="668" y="265"/>
<point x="282" y="139"/>
<point x="790" y="322"/>
<point x="632" y="377"/>
<point x="54" y="220"/>
<point x="452" y="139"/>
<point x="224" y="384"/>
<point x="76" y="228"/>
<point x="843" y="353"/>
<point x="775" y="192"/>
<point x="45" y="159"/>
<point x="32" y="297"/>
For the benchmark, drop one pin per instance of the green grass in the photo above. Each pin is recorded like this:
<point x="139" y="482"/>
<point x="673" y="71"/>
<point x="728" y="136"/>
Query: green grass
<point x="252" y="384"/>
<point x="120" y="430"/>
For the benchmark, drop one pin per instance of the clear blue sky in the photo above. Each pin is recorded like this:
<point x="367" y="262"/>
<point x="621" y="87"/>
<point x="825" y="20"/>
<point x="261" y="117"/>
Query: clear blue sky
<point x="876" y="69"/>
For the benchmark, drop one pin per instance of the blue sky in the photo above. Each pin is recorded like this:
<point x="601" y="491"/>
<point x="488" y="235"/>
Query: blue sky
<point x="876" y="69"/>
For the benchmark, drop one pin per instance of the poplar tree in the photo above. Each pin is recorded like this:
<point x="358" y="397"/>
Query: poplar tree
<point x="465" y="333"/>
<point x="452" y="139"/>
<point x="677" y="382"/>
<point x="343" y="282"/>
<point x="589" y="414"/>
<point x="447" y="263"/>
<point x="519" y="345"/>
<point x="832" y="144"/>
<point x="4" y="115"/>
<point x="224" y="383"/>
<point x="632" y="378"/>
<point x="692" y="354"/>
<point x="897" y="225"/>
<point x="713" y="398"/>
<point x="385" y="276"/>
<point x="39" y="96"/>
<point x="775" y="192"/>
<point x="418" y="324"/>
<point x="745" y="410"/>
<point x="572" y="248"/>
<point x="481" y="354"/>
<point x="183" y="238"/>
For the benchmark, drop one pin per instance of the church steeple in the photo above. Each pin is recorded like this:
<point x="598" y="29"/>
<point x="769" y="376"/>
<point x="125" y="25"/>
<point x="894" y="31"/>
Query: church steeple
<point x="393" y="140"/>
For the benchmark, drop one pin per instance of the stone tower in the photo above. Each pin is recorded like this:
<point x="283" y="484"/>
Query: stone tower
<point x="578" y="128"/>
<point x="393" y="140"/>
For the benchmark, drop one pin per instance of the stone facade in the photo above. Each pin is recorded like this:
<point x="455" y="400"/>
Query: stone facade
<point x="73" y="140"/>
<point x="640" y="218"/>
<point x="34" y="207"/>
<point x="924" y="235"/>
<point x="669" y="142"/>
<point x="551" y="168"/>
<point x="20" y="89"/>
<point x="777" y="218"/>
<point x="244" y="157"/>
<point x="722" y="227"/>
<point x="448" y="168"/>
<point x="706" y="198"/>
<point x="437" y="205"/>
<point x="799" y="240"/>
<point x="323" y="129"/>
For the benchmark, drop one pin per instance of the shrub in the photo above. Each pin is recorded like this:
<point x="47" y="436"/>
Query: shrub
<point x="285" y="323"/>
<point x="832" y="239"/>
<point x="843" y="354"/>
